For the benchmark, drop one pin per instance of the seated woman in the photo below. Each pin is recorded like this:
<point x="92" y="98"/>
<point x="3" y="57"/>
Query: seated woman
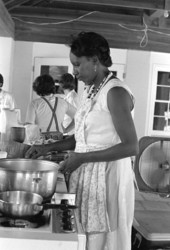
<point x="48" y="110"/>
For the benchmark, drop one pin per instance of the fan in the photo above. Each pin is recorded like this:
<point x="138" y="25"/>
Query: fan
<point x="154" y="166"/>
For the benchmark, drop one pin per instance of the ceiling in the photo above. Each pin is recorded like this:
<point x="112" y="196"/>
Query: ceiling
<point x="136" y="24"/>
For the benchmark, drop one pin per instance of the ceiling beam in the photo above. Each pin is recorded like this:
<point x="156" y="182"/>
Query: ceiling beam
<point x="12" y="4"/>
<point x="123" y="22"/>
<point x="41" y="15"/>
<point x="7" y="26"/>
<point x="116" y="39"/>
<point x="63" y="8"/>
<point x="138" y="4"/>
<point x="35" y="2"/>
<point x="167" y="4"/>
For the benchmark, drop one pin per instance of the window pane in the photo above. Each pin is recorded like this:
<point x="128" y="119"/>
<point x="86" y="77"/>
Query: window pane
<point x="159" y="123"/>
<point x="160" y="108"/>
<point x="163" y="78"/>
<point x="162" y="93"/>
<point x="55" y="71"/>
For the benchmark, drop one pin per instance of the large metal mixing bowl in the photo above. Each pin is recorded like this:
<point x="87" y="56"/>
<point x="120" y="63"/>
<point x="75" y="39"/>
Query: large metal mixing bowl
<point x="37" y="176"/>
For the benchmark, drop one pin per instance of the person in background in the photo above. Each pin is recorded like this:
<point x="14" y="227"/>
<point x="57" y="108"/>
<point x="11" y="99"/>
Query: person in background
<point x="58" y="89"/>
<point x="6" y="99"/>
<point x="67" y="83"/>
<point x="47" y="111"/>
<point x="99" y="165"/>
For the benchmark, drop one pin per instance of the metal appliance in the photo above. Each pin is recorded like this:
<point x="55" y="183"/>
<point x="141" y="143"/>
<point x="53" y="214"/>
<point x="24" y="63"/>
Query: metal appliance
<point x="53" y="229"/>
<point x="151" y="226"/>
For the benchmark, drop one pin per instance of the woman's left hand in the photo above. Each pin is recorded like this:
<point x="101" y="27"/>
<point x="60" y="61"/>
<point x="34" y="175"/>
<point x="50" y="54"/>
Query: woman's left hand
<point x="71" y="163"/>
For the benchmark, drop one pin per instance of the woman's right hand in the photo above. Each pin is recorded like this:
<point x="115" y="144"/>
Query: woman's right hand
<point x="36" y="151"/>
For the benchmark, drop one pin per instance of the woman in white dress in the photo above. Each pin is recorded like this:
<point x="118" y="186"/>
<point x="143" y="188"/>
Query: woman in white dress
<point x="100" y="168"/>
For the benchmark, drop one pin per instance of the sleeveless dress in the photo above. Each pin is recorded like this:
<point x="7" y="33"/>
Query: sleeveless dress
<point x="104" y="190"/>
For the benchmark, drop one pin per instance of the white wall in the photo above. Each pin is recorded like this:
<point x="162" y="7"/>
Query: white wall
<point x="25" y="53"/>
<point x="17" y="61"/>
<point x="6" y="59"/>
<point x="22" y="65"/>
<point x="23" y="76"/>
<point x="119" y="56"/>
<point x="50" y="50"/>
<point x="137" y="78"/>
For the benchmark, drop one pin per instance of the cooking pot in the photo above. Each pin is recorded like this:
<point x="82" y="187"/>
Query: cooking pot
<point x="18" y="134"/>
<point x="21" y="204"/>
<point x="36" y="176"/>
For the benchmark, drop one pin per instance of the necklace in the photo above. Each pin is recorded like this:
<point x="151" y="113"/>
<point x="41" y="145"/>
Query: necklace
<point x="92" y="93"/>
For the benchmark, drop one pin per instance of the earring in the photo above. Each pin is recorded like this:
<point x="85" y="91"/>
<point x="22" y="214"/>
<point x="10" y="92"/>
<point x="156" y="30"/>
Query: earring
<point x="95" y="68"/>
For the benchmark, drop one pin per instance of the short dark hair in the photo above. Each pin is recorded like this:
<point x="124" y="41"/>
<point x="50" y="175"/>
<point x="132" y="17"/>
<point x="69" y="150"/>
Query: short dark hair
<point x="1" y="80"/>
<point x="67" y="81"/>
<point x="91" y="44"/>
<point x="44" y="85"/>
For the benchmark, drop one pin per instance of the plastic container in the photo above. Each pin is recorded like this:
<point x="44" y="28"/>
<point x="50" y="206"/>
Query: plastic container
<point x="3" y="154"/>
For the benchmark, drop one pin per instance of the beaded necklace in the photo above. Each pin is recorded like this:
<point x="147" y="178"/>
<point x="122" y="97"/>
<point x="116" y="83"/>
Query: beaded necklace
<point x="92" y="93"/>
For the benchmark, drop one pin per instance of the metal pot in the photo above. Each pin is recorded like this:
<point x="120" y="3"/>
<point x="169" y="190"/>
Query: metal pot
<point x="35" y="176"/>
<point x="22" y="204"/>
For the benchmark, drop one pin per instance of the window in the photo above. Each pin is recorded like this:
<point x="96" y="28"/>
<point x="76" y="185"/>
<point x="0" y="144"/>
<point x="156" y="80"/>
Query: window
<point x="52" y="66"/>
<point x="159" y="118"/>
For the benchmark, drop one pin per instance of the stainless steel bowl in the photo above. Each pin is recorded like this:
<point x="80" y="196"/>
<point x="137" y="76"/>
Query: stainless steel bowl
<point x="37" y="176"/>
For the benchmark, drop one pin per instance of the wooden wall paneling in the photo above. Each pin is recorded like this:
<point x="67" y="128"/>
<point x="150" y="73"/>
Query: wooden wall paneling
<point x="7" y="26"/>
